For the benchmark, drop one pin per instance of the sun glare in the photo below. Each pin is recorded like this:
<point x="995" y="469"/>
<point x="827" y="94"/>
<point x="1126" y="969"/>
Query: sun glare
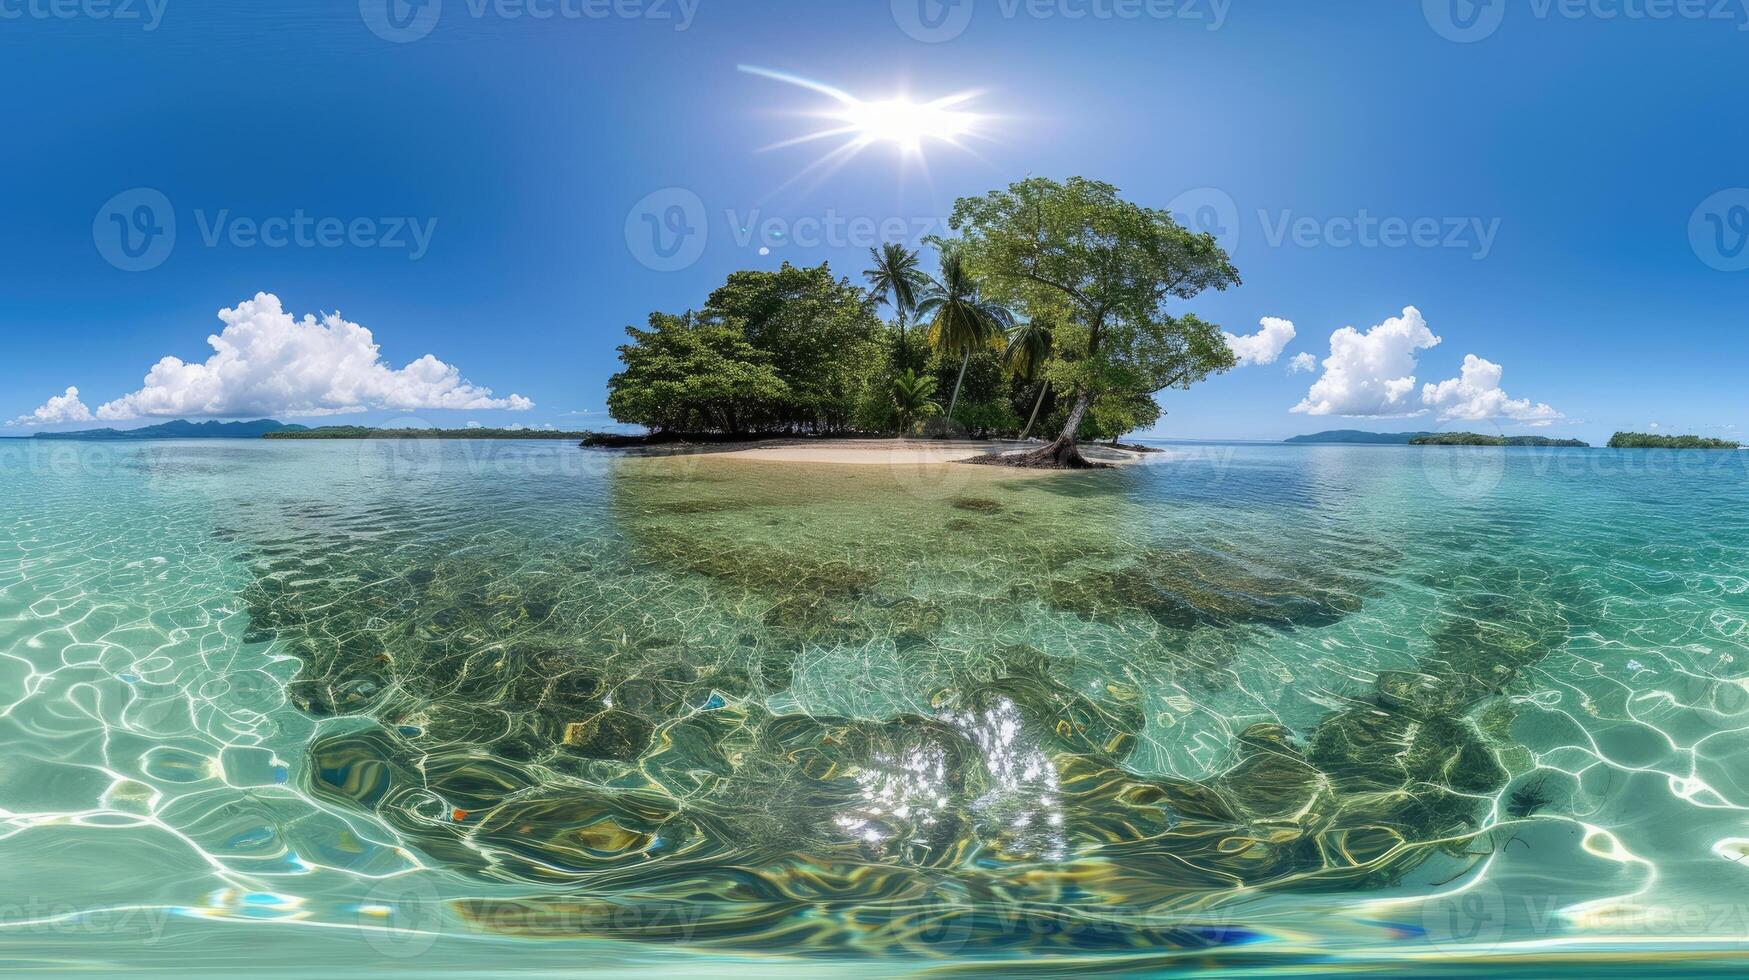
<point x="905" y="123"/>
<point x="898" y="121"/>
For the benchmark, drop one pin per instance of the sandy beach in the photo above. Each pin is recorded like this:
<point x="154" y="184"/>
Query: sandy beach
<point x="886" y="452"/>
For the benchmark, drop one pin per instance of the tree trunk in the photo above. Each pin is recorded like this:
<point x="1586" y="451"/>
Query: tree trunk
<point x="1061" y="454"/>
<point x="955" y="400"/>
<point x="1035" y="407"/>
<point x="904" y="358"/>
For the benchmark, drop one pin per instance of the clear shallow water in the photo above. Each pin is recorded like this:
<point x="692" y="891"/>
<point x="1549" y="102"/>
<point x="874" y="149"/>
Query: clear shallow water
<point x="501" y="707"/>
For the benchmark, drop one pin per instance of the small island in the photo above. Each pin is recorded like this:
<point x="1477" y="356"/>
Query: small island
<point x="366" y="432"/>
<point x="1646" y="440"/>
<point x="1478" y="439"/>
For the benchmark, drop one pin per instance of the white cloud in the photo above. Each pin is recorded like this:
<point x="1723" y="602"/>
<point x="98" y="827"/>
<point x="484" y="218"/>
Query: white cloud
<point x="1303" y="362"/>
<point x="61" y="408"/>
<point x="1372" y="373"/>
<point x="1264" y="346"/>
<point x="1477" y="394"/>
<point x="265" y="362"/>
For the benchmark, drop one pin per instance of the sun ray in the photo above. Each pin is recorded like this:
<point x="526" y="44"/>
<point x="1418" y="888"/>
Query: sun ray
<point x="908" y="126"/>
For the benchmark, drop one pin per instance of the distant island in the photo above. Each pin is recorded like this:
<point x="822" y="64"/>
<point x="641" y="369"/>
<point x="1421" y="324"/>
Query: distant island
<point x="1646" y="440"/>
<point x="1362" y="438"/>
<point x="270" y="429"/>
<point x="1359" y="437"/>
<point x="1477" y="439"/>
<point x="182" y="429"/>
<point x="366" y="432"/>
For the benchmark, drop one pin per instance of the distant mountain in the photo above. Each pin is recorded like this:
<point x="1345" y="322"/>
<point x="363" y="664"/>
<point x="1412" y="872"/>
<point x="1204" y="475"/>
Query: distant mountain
<point x="1356" y="436"/>
<point x="182" y="429"/>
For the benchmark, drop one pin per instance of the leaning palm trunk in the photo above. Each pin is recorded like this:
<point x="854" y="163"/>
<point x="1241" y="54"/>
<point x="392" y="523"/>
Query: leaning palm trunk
<point x="955" y="400"/>
<point x="1035" y="407"/>
<point x="1061" y="454"/>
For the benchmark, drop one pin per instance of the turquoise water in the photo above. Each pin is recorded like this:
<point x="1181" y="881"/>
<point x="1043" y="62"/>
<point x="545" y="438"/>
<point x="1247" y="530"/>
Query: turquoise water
<point x="491" y="708"/>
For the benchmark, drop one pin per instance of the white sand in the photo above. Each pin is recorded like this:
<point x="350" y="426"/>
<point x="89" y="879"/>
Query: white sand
<point x="887" y="452"/>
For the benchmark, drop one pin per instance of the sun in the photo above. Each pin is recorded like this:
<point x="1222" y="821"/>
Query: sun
<point x="899" y="122"/>
<point x="906" y="124"/>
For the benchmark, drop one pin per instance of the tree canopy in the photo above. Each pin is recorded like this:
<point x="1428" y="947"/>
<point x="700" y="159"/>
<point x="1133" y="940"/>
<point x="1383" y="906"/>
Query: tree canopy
<point x="691" y="374"/>
<point x="1076" y="252"/>
<point x="1050" y="305"/>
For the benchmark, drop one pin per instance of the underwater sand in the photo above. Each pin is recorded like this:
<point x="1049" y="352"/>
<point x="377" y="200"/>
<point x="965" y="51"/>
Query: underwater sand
<point x="492" y="708"/>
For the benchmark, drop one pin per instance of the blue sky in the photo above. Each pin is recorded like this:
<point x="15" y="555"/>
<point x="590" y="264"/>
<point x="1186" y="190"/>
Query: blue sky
<point x="485" y="180"/>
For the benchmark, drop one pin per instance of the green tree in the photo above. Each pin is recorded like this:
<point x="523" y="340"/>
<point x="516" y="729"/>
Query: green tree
<point x="1107" y="267"/>
<point x="690" y="374"/>
<point x="895" y="279"/>
<point x="911" y="396"/>
<point x="962" y="320"/>
<point x="819" y="333"/>
<point x="1029" y="347"/>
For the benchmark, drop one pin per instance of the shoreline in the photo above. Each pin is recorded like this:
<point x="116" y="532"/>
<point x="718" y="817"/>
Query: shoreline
<point x="878" y="451"/>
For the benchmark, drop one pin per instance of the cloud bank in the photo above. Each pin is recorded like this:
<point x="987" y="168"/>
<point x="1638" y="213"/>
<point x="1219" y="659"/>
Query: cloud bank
<point x="1264" y="346"/>
<point x="61" y="408"/>
<point x="1477" y="395"/>
<point x="1372" y="375"/>
<point x="266" y="362"/>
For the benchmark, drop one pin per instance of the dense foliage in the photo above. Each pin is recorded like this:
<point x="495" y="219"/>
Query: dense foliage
<point x="1645" y="440"/>
<point x="1047" y="312"/>
<point x="1104" y="269"/>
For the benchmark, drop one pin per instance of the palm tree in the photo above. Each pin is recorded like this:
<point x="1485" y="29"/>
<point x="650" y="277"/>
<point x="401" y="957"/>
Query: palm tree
<point x="962" y="322"/>
<point x="895" y="279"/>
<point x="1029" y="346"/>
<point x="911" y="394"/>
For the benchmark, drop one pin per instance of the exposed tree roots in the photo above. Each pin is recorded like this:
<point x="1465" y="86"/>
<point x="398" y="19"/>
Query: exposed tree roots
<point x="1060" y="455"/>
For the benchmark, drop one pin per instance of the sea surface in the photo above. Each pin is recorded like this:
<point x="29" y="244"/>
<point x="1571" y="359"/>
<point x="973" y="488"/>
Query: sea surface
<point x="516" y="708"/>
